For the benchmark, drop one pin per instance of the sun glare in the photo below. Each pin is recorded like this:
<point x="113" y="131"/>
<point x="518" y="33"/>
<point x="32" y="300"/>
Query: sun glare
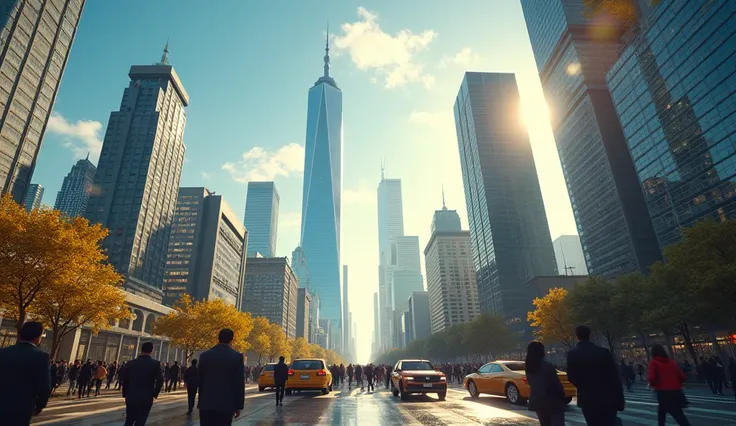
<point x="535" y="115"/>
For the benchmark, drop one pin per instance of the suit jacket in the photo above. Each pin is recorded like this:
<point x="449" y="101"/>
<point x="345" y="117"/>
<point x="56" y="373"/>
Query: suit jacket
<point x="142" y="381"/>
<point x="280" y="373"/>
<point x="25" y="379"/>
<point x="593" y="372"/>
<point x="546" y="392"/>
<point x="221" y="380"/>
<point x="85" y="373"/>
<point x="191" y="377"/>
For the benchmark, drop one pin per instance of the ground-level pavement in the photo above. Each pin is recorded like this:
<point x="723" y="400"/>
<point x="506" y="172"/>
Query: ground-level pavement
<point x="356" y="407"/>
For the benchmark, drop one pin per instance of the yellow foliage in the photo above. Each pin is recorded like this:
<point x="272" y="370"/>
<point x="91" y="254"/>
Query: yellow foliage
<point x="194" y="325"/>
<point x="317" y="351"/>
<point x="278" y="346"/>
<point x="300" y="348"/>
<point x="553" y="319"/>
<point x="259" y="339"/>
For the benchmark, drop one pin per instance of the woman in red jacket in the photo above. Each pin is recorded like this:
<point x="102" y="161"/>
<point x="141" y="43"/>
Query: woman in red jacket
<point x="666" y="377"/>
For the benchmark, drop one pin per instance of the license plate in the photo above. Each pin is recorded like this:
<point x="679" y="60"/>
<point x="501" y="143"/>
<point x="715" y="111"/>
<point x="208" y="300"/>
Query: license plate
<point x="304" y="377"/>
<point x="427" y="385"/>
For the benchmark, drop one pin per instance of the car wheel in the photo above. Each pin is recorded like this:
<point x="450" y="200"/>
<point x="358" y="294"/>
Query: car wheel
<point x="394" y="391"/>
<point x="404" y="396"/>
<point x="473" y="389"/>
<point x="513" y="394"/>
<point x="442" y="395"/>
<point x="325" y="391"/>
<point x="330" y="389"/>
<point x="261" y="388"/>
<point x="568" y="400"/>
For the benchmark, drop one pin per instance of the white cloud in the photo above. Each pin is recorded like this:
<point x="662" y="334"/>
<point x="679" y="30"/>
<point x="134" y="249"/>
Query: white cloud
<point x="435" y="120"/>
<point x="290" y="220"/>
<point x="465" y="57"/>
<point x="390" y="56"/>
<point x="258" y="164"/>
<point x="363" y="194"/>
<point x="206" y="176"/>
<point x="81" y="137"/>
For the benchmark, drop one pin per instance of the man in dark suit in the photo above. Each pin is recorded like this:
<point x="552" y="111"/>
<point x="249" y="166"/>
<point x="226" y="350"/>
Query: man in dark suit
<point x="280" y="376"/>
<point x="221" y="382"/>
<point x="25" y="377"/>
<point x="141" y="385"/>
<point x="191" y="381"/>
<point x="593" y="371"/>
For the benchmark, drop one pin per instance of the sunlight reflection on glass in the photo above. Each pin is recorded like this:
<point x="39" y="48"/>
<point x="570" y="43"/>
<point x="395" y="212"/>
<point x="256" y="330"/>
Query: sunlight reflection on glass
<point x="573" y="68"/>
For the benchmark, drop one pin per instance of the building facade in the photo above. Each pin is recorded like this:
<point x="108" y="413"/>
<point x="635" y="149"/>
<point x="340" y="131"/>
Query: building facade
<point x="508" y="223"/>
<point x="271" y="291"/>
<point x="421" y="325"/>
<point x="137" y="179"/>
<point x="569" y="255"/>
<point x="36" y="38"/>
<point x="207" y="249"/>
<point x="34" y="195"/>
<point x="73" y="196"/>
<point x="674" y="87"/>
<point x="346" y="331"/>
<point x="390" y="226"/>
<point x="262" y="218"/>
<point x="572" y="53"/>
<point x="322" y="193"/>
<point x="303" y="301"/>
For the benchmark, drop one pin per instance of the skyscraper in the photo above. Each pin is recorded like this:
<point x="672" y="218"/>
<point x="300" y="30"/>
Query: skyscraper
<point x="419" y="313"/>
<point x="35" y="40"/>
<point x="206" y="254"/>
<point x="271" y="291"/>
<point x="34" y="195"/>
<point x="262" y="218"/>
<point x="74" y="194"/>
<point x="573" y="52"/>
<point x="345" y="311"/>
<point x="569" y="255"/>
<point x="303" y="301"/>
<point x="390" y="226"/>
<point x="321" y="197"/>
<point x="299" y="265"/>
<point x="376" y="344"/>
<point x="673" y="88"/>
<point x="137" y="179"/>
<point x="508" y="224"/>
<point x="451" y="286"/>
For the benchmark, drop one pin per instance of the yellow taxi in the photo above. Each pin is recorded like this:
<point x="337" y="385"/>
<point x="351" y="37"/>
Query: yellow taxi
<point x="417" y="376"/>
<point x="508" y="378"/>
<point x="309" y="374"/>
<point x="265" y="379"/>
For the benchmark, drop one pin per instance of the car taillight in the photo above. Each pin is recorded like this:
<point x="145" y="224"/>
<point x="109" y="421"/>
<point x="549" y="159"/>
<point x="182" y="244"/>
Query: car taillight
<point x="321" y="373"/>
<point x="291" y="372"/>
<point x="525" y="380"/>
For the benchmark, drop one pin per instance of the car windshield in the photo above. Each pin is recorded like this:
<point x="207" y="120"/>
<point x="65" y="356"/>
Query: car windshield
<point x="269" y="367"/>
<point x="307" y="365"/>
<point x="515" y="366"/>
<point x="416" y="365"/>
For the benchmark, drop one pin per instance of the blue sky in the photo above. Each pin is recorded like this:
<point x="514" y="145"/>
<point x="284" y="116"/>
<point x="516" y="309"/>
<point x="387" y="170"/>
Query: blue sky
<point x="247" y="67"/>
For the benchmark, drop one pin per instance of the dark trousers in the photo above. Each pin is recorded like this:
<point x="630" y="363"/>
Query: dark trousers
<point x="670" y="402"/>
<point x="171" y="386"/>
<point x="350" y="381"/>
<point x="83" y="388"/>
<point x="551" y="419"/>
<point x="109" y="382"/>
<point x="215" y="418"/>
<point x="718" y="386"/>
<point x="370" y="384"/>
<point x="388" y="381"/>
<point x="15" y="419"/>
<point x="98" y="385"/>
<point x="600" y="417"/>
<point x="72" y="387"/>
<point x="280" y="391"/>
<point x="137" y="414"/>
<point x="191" y="395"/>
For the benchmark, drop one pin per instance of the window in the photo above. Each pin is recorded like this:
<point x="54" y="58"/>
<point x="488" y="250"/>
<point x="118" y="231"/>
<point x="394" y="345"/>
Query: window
<point x="417" y="365"/>
<point x="307" y="365"/>
<point x="486" y="368"/>
<point x="516" y="366"/>
<point x="495" y="368"/>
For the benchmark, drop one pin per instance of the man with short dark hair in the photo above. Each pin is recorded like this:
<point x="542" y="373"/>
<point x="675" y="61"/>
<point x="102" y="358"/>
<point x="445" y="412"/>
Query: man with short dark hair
<point x="593" y="371"/>
<point x="221" y="382"/>
<point x="141" y="385"/>
<point x="191" y="381"/>
<point x="280" y="376"/>
<point x="25" y="377"/>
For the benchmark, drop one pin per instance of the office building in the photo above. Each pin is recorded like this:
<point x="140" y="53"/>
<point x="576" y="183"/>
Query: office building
<point x="73" y="196"/>
<point x="303" y="300"/>
<point x="207" y="249"/>
<point x="322" y="193"/>
<point x="674" y="87"/>
<point x="346" y="330"/>
<point x="451" y="283"/>
<point x="407" y="328"/>
<point x="445" y="220"/>
<point x="390" y="226"/>
<point x="271" y="291"/>
<point x="299" y="265"/>
<point x="569" y="255"/>
<point x="36" y="38"/>
<point x="421" y="325"/>
<point x="262" y="218"/>
<point x="397" y="332"/>
<point x="508" y="224"/>
<point x="376" y="340"/>
<point x="573" y="52"/>
<point x="313" y="317"/>
<point x="34" y="195"/>
<point x="137" y="179"/>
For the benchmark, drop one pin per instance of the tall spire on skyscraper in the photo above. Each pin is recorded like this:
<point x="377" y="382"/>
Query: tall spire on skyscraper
<point x="383" y="170"/>
<point x="165" y="55"/>
<point x="327" y="51"/>
<point x="444" y="207"/>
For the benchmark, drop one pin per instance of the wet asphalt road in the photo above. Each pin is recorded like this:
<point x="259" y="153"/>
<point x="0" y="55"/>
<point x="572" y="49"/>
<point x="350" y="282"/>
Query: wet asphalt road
<point x="354" y="407"/>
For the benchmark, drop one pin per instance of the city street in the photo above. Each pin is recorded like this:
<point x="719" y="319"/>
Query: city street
<point x="343" y="407"/>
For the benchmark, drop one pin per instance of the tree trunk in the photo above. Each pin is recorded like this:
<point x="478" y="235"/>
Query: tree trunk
<point x="645" y="343"/>
<point x="55" y="343"/>
<point x="19" y="322"/>
<point x="685" y="331"/>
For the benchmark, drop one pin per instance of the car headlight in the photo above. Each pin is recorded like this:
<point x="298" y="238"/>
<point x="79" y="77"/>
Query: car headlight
<point x="409" y="378"/>
<point x="443" y="378"/>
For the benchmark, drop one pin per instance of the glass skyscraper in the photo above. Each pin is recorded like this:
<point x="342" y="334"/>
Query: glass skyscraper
<point x="321" y="197"/>
<point x="137" y="178"/>
<point x="390" y="226"/>
<point x="34" y="195"/>
<point x="674" y="87"/>
<point x="508" y="223"/>
<point x="573" y="53"/>
<point x="74" y="193"/>
<point x="35" y="39"/>
<point x="262" y="218"/>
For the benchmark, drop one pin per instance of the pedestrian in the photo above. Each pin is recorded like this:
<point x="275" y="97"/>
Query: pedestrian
<point x="359" y="376"/>
<point x="61" y="373"/>
<point x="719" y="375"/>
<point x="546" y="396"/>
<point x="280" y="376"/>
<point x="342" y="374"/>
<point x="666" y="378"/>
<point x="640" y="370"/>
<point x="25" y="381"/>
<point x="707" y="374"/>
<point x="100" y="375"/>
<point x="52" y="376"/>
<point x="369" y="376"/>
<point x="389" y="371"/>
<point x="221" y="382"/>
<point x="593" y="371"/>
<point x="166" y="370"/>
<point x="732" y="373"/>
<point x="141" y="385"/>
<point x="191" y="382"/>
<point x="349" y="371"/>
<point x="85" y="379"/>
<point x="174" y="371"/>
<point x="73" y="375"/>
<point x="121" y="375"/>
<point x="111" y="371"/>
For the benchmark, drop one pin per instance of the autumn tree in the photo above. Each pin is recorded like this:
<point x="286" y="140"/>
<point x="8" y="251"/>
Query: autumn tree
<point x="194" y="325"/>
<point x="259" y="339"/>
<point x="553" y="318"/>
<point x="300" y="348"/>
<point x="488" y="335"/>
<point x="634" y="297"/>
<point x="278" y="346"/>
<point x="317" y="351"/>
